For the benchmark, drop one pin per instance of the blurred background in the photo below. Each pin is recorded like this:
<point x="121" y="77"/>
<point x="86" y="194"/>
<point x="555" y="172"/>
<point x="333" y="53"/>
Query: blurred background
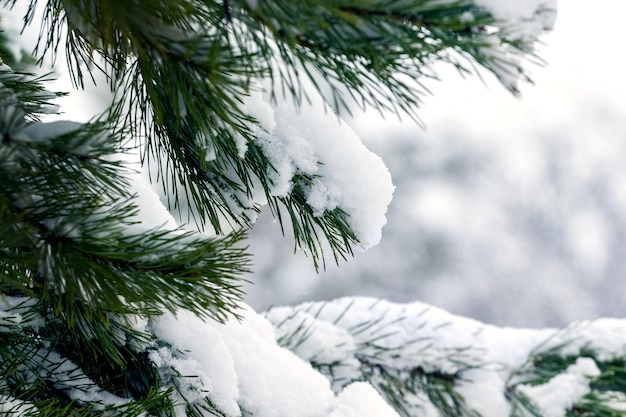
<point x="511" y="211"/>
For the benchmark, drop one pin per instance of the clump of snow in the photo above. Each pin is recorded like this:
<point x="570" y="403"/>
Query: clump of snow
<point x="517" y="21"/>
<point x="310" y="140"/>
<point x="239" y="366"/>
<point x="305" y="140"/>
<point x="289" y="153"/>
<point x="206" y="365"/>
<point x="273" y="382"/>
<point x="559" y="394"/>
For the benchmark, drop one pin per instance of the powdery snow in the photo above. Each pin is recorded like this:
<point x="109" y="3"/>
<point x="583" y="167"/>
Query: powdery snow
<point x="206" y="364"/>
<point x="564" y="390"/>
<point x="239" y="367"/>
<point x="428" y="336"/>
<point x="242" y="367"/>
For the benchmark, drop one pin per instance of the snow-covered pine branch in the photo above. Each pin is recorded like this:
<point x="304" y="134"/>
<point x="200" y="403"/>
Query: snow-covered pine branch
<point x="110" y="307"/>
<point x="427" y="362"/>
<point x="361" y="356"/>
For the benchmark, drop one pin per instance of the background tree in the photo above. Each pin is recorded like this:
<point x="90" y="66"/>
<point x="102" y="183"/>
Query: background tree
<point x="105" y="313"/>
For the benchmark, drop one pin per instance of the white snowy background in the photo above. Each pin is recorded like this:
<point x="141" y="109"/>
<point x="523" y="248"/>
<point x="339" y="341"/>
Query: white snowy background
<point x="511" y="211"/>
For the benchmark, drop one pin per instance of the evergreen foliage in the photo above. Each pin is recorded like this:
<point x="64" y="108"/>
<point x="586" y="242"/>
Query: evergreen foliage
<point x="403" y="352"/>
<point x="81" y="276"/>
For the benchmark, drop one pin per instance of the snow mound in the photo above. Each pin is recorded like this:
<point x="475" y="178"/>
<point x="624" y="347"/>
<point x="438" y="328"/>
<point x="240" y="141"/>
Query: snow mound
<point x="241" y="370"/>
